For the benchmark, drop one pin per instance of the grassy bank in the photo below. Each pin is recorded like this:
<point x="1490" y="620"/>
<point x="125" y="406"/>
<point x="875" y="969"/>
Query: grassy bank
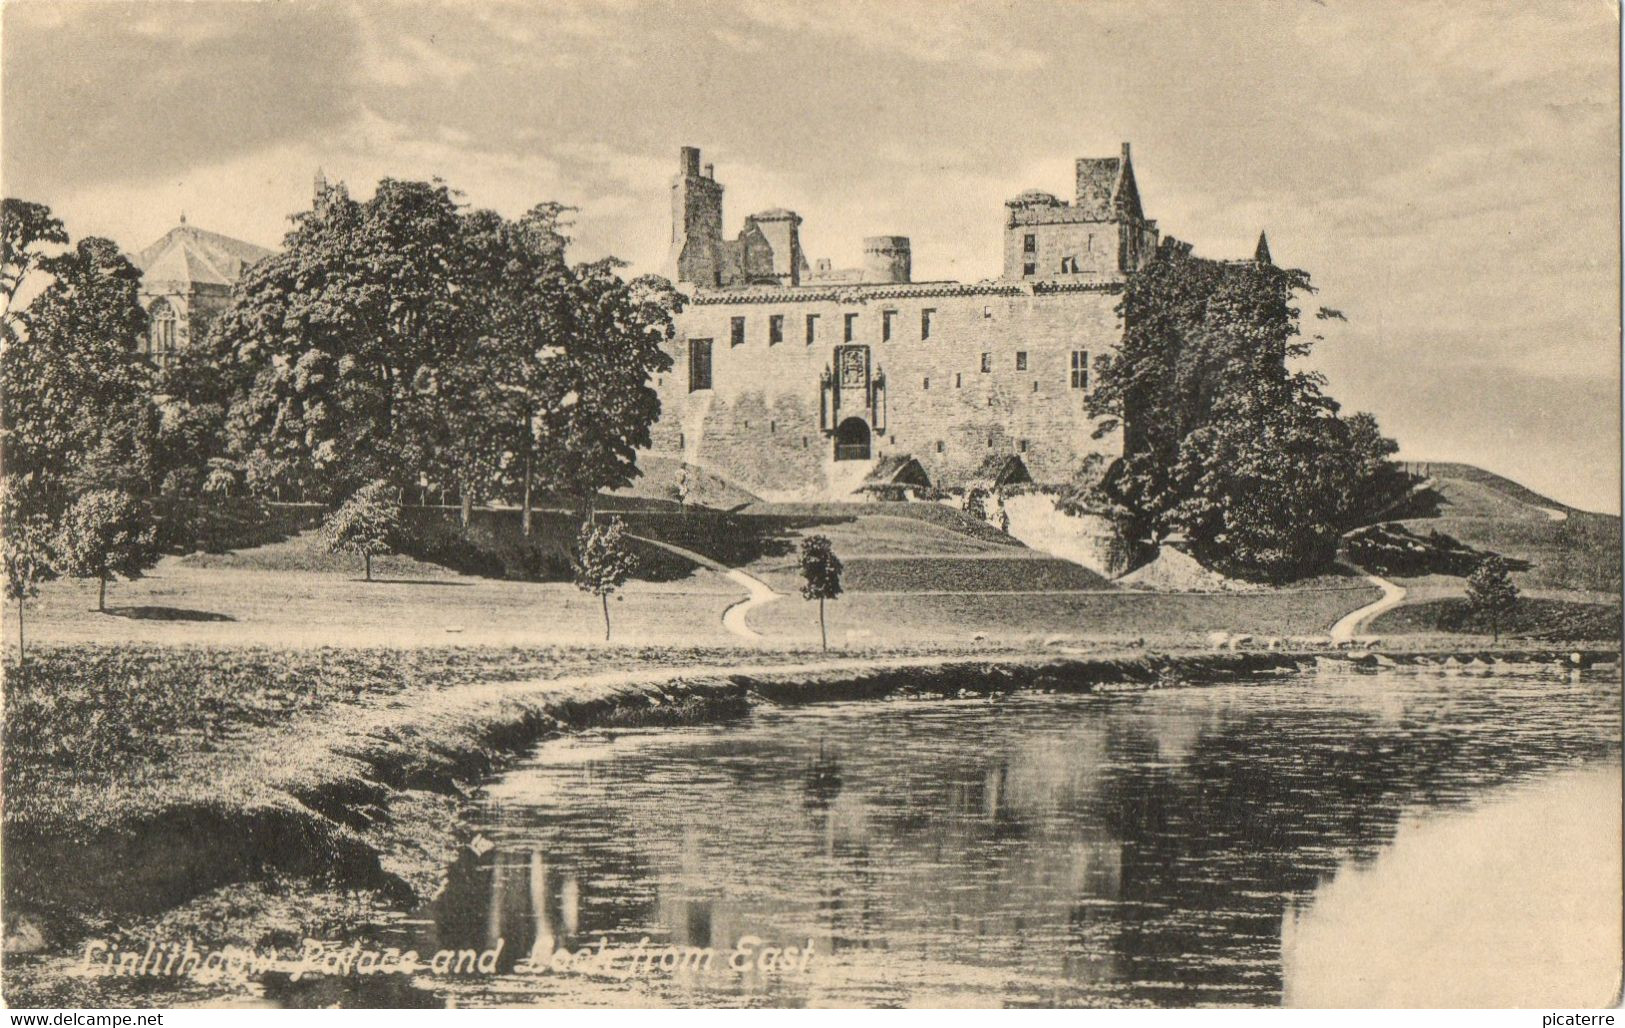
<point x="1531" y="618"/>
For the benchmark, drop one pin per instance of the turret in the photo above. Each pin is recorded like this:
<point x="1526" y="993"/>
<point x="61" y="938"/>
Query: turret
<point x="887" y="259"/>
<point x="696" y="223"/>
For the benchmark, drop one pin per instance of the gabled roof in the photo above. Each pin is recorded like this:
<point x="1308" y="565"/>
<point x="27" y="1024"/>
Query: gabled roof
<point x="189" y="254"/>
<point x="897" y="469"/>
<point x="999" y="470"/>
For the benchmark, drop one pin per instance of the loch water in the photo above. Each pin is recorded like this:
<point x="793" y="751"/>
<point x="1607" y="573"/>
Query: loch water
<point x="1216" y="844"/>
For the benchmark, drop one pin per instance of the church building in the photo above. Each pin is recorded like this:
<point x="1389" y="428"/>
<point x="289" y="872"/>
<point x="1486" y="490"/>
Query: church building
<point x="794" y="379"/>
<point x="186" y="280"/>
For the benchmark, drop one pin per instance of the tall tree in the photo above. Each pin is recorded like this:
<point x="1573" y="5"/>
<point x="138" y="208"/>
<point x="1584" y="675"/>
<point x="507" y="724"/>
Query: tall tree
<point x="598" y="399"/>
<point x="76" y="407"/>
<point x="515" y="282"/>
<point x="1223" y="441"/>
<point x="338" y="334"/>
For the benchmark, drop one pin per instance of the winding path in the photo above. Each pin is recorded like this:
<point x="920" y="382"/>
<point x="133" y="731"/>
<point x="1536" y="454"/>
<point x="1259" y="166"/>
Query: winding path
<point x="733" y="618"/>
<point x="1392" y="596"/>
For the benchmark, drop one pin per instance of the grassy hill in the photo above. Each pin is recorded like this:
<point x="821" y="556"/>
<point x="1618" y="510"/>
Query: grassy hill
<point x="1566" y="549"/>
<point x="1566" y="562"/>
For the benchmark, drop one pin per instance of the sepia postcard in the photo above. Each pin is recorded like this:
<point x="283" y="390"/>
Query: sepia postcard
<point x="597" y="504"/>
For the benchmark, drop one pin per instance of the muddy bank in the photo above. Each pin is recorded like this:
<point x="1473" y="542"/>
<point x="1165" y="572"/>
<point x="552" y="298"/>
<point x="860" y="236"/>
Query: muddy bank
<point x="369" y="801"/>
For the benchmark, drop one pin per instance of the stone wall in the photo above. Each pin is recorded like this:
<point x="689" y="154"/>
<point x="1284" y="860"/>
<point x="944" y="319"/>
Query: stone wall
<point x="760" y="424"/>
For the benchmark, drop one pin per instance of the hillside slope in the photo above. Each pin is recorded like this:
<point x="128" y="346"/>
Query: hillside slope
<point x="1566" y="549"/>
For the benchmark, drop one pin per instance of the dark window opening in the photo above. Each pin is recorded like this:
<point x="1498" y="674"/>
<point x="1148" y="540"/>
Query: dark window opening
<point x="885" y="325"/>
<point x="987" y="363"/>
<point x="699" y="364"/>
<point x="812" y="329"/>
<point x="958" y="380"/>
<point x="1029" y="243"/>
<point x="939" y="445"/>
<point x="1029" y="268"/>
<point x="926" y="384"/>
<point x="925" y="322"/>
<point x="775" y="330"/>
<point x="738" y="337"/>
<point x="851" y="326"/>
<point x="1021" y="360"/>
<point x="1080" y="369"/>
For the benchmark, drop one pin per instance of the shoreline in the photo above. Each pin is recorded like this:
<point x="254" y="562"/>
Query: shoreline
<point x="370" y="810"/>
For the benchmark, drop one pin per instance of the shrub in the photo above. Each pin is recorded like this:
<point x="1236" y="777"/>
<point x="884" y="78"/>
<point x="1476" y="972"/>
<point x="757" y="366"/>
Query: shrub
<point x="1491" y="594"/>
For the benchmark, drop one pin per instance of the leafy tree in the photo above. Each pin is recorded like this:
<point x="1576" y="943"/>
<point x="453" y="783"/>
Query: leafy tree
<point x="26" y="547"/>
<point x="76" y="408"/>
<point x="516" y="284"/>
<point x="598" y="402"/>
<point x="1223" y="441"/>
<point x="28" y="229"/>
<point x="1491" y="594"/>
<point x="821" y="574"/>
<point x="603" y="561"/>
<point x="336" y="339"/>
<point x="105" y="533"/>
<point x="366" y="524"/>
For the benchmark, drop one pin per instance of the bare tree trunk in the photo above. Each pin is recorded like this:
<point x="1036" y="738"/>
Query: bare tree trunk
<point x="605" y="598"/>
<point x="524" y="517"/>
<point x="101" y="594"/>
<point x="22" y="655"/>
<point x="823" y="633"/>
<point x="468" y="505"/>
<point x="367" y="557"/>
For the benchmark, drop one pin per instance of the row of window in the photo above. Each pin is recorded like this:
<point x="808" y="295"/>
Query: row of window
<point x="699" y="367"/>
<point x="776" y="326"/>
<point x="806" y="441"/>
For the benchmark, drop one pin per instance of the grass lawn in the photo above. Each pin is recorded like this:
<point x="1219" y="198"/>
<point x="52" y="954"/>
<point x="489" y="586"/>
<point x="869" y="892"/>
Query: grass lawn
<point x="1160" y="618"/>
<point x="183" y="602"/>
<point x="1533" y="618"/>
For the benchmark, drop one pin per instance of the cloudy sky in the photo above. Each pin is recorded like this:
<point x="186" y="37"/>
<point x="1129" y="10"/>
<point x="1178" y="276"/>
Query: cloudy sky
<point x="1449" y="173"/>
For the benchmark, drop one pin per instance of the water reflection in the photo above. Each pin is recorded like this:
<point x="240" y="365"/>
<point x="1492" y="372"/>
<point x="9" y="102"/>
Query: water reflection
<point x="1136" y="849"/>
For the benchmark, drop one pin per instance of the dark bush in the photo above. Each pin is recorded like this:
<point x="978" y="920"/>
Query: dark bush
<point x="1393" y="549"/>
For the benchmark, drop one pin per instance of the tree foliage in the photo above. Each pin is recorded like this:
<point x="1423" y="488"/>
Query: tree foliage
<point x="27" y="551"/>
<point x="27" y="232"/>
<point x="821" y="576"/>
<point x="598" y="402"/>
<point x="1223" y="442"/>
<point x="105" y="534"/>
<point x="365" y="525"/>
<point x="76" y="407"/>
<point x="335" y="340"/>
<point x="1491" y="594"/>
<point x="603" y="561"/>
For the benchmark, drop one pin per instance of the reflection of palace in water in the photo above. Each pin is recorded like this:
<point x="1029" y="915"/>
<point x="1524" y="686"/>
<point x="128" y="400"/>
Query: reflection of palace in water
<point x="1140" y="849"/>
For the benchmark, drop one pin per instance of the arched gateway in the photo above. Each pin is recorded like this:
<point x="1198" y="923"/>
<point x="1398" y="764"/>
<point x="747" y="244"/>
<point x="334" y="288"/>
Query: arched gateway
<point x="852" y="440"/>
